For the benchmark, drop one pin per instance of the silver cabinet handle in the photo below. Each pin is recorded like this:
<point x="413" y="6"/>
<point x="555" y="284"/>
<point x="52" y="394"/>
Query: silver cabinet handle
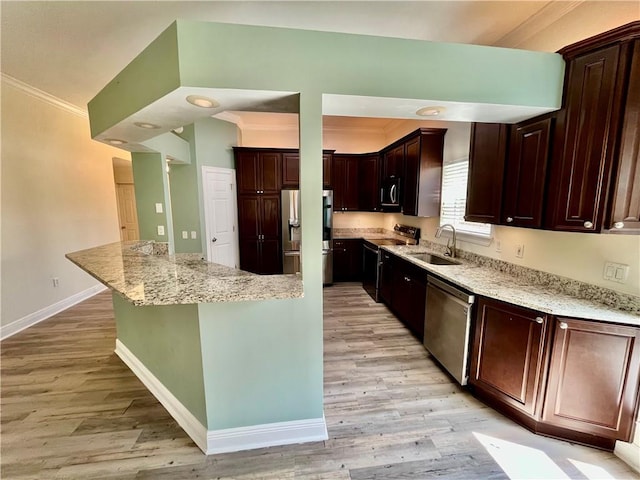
<point x="509" y="219"/>
<point x="539" y="320"/>
<point x="407" y="279"/>
<point x="563" y="326"/>
<point x="214" y="240"/>
<point x="618" y="225"/>
<point x="588" y="224"/>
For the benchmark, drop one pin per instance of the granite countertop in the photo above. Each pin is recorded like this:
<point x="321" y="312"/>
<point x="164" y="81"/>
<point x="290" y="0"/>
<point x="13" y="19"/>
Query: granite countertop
<point x="144" y="277"/>
<point x="522" y="290"/>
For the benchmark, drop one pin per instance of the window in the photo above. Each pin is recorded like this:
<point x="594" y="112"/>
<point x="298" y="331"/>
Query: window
<point x="454" y="199"/>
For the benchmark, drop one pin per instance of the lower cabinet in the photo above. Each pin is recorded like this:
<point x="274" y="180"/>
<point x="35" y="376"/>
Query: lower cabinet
<point x="564" y="377"/>
<point x="261" y="256"/>
<point x="347" y="260"/>
<point x="386" y="277"/>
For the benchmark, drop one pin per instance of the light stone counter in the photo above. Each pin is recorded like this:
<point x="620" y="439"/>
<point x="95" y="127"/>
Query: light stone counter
<point x="141" y="275"/>
<point x="532" y="289"/>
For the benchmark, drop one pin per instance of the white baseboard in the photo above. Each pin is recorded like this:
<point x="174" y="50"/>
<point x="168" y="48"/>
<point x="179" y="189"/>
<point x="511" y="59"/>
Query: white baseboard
<point x="629" y="453"/>
<point x="27" y="321"/>
<point x="229" y="439"/>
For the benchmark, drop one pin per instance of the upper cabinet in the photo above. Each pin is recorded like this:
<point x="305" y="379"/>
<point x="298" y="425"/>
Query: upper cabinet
<point x="345" y="182"/>
<point x="576" y="169"/>
<point x="369" y="184"/>
<point x="258" y="171"/>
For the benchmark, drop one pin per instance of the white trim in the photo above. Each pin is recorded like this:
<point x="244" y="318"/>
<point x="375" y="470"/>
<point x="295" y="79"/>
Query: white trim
<point x="44" y="96"/>
<point x="629" y="453"/>
<point x="189" y="423"/>
<point x="266" y="435"/>
<point x="228" y="439"/>
<point x="27" y="321"/>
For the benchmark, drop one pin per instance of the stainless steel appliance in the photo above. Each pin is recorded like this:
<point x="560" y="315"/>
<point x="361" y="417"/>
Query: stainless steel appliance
<point x="291" y="231"/>
<point x="371" y="261"/>
<point x="446" y="327"/>
<point x="327" y="237"/>
<point x="390" y="194"/>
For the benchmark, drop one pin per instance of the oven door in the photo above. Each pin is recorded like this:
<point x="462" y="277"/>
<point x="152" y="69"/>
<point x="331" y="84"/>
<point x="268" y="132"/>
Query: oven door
<point x="370" y="270"/>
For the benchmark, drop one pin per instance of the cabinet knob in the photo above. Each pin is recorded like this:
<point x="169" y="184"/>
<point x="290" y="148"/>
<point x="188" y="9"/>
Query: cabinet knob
<point x="509" y="219"/>
<point x="618" y="225"/>
<point x="588" y="224"/>
<point x="539" y="320"/>
<point x="407" y="279"/>
<point x="563" y="326"/>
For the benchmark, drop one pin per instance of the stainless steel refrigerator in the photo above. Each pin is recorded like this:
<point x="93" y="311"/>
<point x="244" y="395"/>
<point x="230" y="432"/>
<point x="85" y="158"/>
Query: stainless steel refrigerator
<point x="292" y="233"/>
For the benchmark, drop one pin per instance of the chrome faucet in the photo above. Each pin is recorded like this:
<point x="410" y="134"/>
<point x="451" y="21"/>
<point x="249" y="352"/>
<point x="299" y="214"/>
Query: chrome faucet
<point x="451" y="248"/>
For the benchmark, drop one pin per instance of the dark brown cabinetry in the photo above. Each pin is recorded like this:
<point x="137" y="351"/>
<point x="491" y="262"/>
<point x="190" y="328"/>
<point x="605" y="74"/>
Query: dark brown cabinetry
<point x="259" y="233"/>
<point x="393" y="161"/>
<point x="386" y="277"/>
<point x="327" y="162"/>
<point x="593" y="380"/>
<point x="290" y="170"/>
<point x="369" y="184"/>
<point x="508" y="355"/>
<point x="526" y="172"/>
<point x="345" y="182"/>
<point x="347" y="260"/>
<point x="258" y="171"/>
<point x="487" y="156"/>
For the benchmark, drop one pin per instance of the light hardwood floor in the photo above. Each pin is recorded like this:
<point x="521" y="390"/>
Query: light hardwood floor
<point x="71" y="409"/>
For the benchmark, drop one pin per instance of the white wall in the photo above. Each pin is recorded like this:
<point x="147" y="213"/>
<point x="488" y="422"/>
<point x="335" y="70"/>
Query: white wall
<point x="58" y="196"/>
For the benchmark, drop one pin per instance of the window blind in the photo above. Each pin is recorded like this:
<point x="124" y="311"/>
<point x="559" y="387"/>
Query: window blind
<point x="454" y="199"/>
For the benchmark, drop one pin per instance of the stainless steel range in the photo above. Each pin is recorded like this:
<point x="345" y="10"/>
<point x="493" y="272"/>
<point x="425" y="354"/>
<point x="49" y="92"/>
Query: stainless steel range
<point x="371" y="260"/>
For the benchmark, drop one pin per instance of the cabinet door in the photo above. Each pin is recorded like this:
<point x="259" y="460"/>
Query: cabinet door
<point x="270" y="216"/>
<point x="369" y="186"/>
<point x="526" y="173"/>
<point x="508" y="351"/>
<point x="351" y="192"/>
<point x="386" y="278"/>
<point x="593" y="378"/>
<point x="250" y="255"/>
<point x="340" y="261"/>
<point x="585" y="137"/>
<point x="339" y="185"/>
<point x="411" y="177"/>
<point x="270" y="257"/>
<point x="354" y="249"/>
<point x="270" y="172"/>
<point x="409" y="296"/>
<point x="290" y="170"/>
<point x="249" y="216"/>
<point x="625" y="208"/>
<point x="327" y="161"/>
<point x="393" y="162"/>
<point x="247" y="171"/>
<point x="487" y="154"/>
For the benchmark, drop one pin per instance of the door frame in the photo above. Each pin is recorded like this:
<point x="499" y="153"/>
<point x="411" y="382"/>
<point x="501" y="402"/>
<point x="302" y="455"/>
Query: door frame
<point x="234" y="213"/>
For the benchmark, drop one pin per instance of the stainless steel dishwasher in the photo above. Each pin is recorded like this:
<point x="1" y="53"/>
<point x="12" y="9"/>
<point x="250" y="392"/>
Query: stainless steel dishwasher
<point x="446" y="327"/>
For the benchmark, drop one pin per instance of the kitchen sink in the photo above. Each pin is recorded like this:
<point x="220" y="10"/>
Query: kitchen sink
<point x="433" y="259"/>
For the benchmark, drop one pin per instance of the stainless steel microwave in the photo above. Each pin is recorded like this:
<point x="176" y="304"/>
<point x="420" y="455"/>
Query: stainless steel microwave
<point x="390" y="194"/>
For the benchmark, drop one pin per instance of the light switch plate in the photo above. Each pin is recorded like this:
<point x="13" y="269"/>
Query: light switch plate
<point x="158" y="208"/>
<point x="498" y="246"/>
<point x="519" y="251"/>
<point x="615" y="272"/>
<point x="185" y="234"/>
<point x="194" y="235"/>
<point x="161" y="230"/>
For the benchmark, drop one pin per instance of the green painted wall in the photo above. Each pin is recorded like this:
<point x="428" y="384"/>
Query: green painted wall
<point x="150" y="180"/>
<point x="166" y="340"/>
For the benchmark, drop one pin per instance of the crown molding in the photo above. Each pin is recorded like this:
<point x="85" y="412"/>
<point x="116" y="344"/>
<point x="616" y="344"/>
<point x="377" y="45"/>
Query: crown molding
<point x="547" y="15"/>
<point x="44" y="96"/>
<point x="231" y="118"/>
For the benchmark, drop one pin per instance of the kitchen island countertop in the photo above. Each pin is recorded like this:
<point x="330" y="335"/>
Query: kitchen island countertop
<point x="145" y="279"/>
<point x="523" y="291"/>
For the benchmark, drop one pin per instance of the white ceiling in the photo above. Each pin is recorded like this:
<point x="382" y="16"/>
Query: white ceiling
<point x="71" y="50"/>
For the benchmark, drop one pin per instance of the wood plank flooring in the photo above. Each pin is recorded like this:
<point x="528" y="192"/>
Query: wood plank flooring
<point x="72" y="409"/>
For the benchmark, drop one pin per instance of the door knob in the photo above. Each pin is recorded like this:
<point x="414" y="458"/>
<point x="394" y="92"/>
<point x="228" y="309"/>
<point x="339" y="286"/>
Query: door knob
<point x="214" y="240"/>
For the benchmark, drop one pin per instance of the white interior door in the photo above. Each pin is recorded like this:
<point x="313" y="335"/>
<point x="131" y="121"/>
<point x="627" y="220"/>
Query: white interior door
<point x="127" y="214"/>
<point x="219" y="187"/>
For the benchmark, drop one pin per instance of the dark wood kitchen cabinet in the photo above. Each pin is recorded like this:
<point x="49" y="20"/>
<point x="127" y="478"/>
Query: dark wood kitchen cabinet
<point x="259" y="233"/>
<point x="404" y="291"/>
<point x="345" y="182"/>
<point x="487" y="155"/>
<point x="393" y="161"/>
<point x="507" y="360"/>
<point x="526" y="172"/>
<point x="327" y="162"/>
<point x="369" y="183"/>
<point x="590" y="134"/>
<point x="347" y="260"/>
<point x="291" y="170"/>
<point x="593" y="381"/>
<point x="258" y="171"/>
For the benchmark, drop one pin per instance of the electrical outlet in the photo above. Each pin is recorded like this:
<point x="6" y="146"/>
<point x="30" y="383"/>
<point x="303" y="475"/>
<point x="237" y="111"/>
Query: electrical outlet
<point x="185" y="235"/>
<point x="194" y="235"/>
<point x="56" y="282"/>
<point x="158" y="208"/>
<point x="520" y="251"/>
<point x="616" y="272"/>
<point x="161" y="230"/>
<point x="498" y="246"/>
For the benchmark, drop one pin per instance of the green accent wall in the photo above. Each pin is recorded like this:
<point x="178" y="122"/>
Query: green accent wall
<point x="166" y="340"/>
<point x="150" y="180"/>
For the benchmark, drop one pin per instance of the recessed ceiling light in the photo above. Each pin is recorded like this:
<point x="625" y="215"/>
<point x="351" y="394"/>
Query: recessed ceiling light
<point x="430" y="111"/>
<point x="115" y="141"/>
<point x="148" y="126"/>
<point x="202" y="102"/>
